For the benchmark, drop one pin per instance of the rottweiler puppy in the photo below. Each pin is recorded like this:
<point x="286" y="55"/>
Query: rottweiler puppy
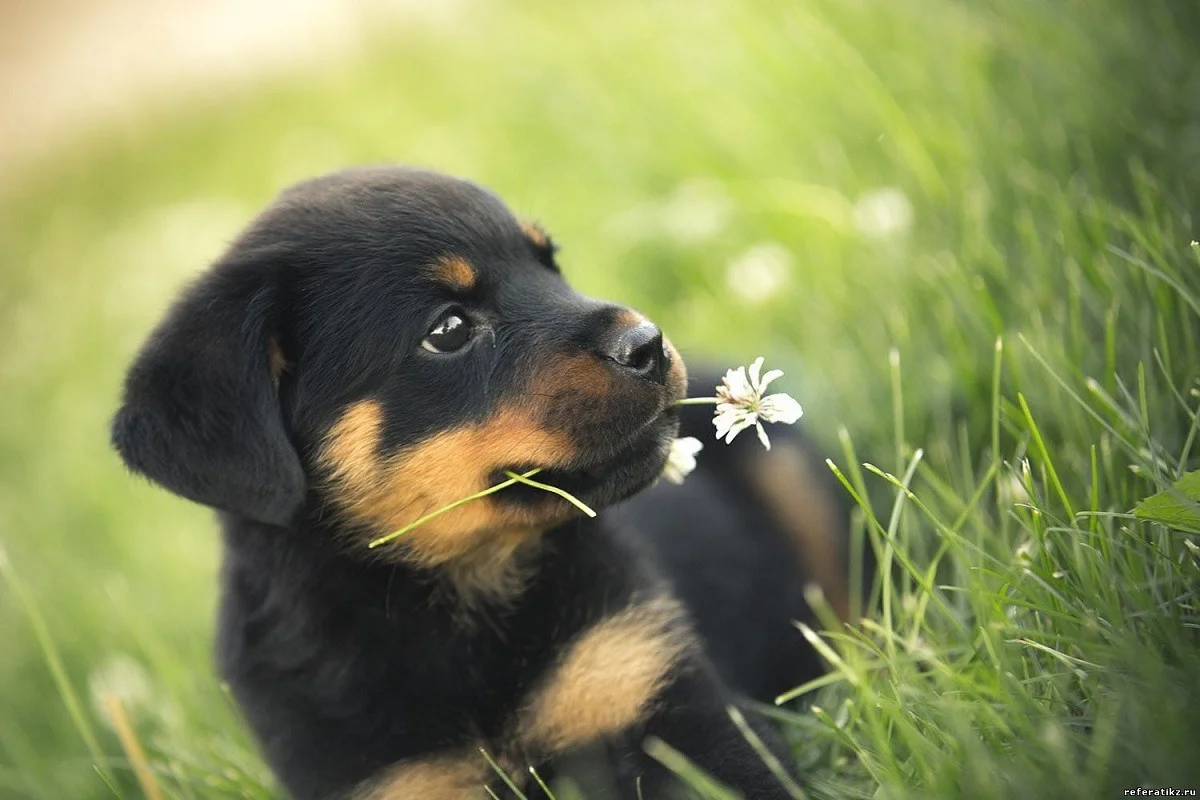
<point x="382" y="342"/>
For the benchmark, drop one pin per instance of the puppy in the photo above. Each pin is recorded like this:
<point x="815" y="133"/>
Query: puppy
<point x="383" y="342"/>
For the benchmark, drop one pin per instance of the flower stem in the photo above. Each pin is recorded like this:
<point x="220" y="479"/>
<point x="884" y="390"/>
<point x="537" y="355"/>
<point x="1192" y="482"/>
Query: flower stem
<point x="514" y="478"/>
<point x="565" y="495"/>
<point x="698" y="401"/>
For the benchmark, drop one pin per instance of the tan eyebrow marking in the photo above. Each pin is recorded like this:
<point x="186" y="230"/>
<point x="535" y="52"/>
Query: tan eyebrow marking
<point x="455" y="272"/>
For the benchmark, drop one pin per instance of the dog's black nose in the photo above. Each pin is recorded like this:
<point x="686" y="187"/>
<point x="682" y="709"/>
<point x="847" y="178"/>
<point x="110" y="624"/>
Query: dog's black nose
<point x="640" y="350"/>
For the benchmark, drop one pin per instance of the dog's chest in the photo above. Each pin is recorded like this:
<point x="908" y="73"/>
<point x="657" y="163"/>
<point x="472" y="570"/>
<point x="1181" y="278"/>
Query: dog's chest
<point x="384" y="650"/>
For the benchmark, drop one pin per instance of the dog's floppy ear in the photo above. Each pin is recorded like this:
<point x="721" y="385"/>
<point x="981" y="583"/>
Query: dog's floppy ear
<point x="201" y="413"/>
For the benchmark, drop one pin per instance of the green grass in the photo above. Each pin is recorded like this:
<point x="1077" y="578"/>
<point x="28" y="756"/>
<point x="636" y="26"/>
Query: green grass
<point x="1031" y="637"/>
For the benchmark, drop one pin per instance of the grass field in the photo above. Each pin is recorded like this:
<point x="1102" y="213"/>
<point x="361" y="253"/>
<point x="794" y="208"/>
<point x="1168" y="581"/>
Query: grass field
<point x="962" y="227"/>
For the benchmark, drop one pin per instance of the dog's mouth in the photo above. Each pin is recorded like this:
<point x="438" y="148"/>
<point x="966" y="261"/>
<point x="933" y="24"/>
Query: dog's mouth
<point x="626" y="464"/>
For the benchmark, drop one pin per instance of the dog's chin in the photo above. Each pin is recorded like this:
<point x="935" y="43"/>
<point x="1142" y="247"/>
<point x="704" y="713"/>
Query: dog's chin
<point x="634" y="466"/>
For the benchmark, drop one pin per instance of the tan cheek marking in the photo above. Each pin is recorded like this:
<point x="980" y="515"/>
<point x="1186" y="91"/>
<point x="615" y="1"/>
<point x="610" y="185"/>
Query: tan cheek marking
<point x="533" y="233"/>
<point x="609" y="678"/>
<point x="785" y="479"/>
<point x="390" y="492"/>
<point x="438" y="778"/>
<point x="350" y="448"/>
<point x="456" y="272"/>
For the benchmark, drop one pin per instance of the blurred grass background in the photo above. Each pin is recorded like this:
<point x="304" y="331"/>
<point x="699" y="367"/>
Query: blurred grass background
<point x="871" y="193"/>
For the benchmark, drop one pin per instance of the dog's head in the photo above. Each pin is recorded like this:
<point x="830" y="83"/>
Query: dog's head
<point x="381" y="343"/>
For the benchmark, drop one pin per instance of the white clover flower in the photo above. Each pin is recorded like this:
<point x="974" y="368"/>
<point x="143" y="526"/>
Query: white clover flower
<point x="740" y="403"/>
<point x="681" y="460"/>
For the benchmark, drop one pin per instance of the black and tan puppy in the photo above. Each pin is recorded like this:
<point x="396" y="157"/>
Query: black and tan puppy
<point x="382" y="342"/>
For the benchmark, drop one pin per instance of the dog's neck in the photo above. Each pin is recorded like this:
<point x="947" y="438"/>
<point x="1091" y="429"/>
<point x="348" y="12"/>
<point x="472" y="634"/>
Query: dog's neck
<point x="481" y="585"/>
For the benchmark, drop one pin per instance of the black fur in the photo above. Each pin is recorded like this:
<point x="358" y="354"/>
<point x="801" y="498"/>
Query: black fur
<point x="346" y="663"/>
<point x="198" y="417"/>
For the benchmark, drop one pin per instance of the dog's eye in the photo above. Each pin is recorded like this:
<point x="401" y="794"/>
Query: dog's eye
<point x="451" y="333"/>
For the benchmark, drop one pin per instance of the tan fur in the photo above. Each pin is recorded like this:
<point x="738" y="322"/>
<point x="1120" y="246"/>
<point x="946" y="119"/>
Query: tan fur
<point x="495" y="571"/>
<point x="785" y="480"/>
<point x="677" y="374"/>
<point x="571" y="375"/>
<point x="608" y="679"/>
<point x="457" y="777"/>
<point x="275" y="360"/>
<point x="455" y="272"/>
<point x="534" y="234"/>
<point x="389" y="492"/>
<point x="628" y="318"/>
